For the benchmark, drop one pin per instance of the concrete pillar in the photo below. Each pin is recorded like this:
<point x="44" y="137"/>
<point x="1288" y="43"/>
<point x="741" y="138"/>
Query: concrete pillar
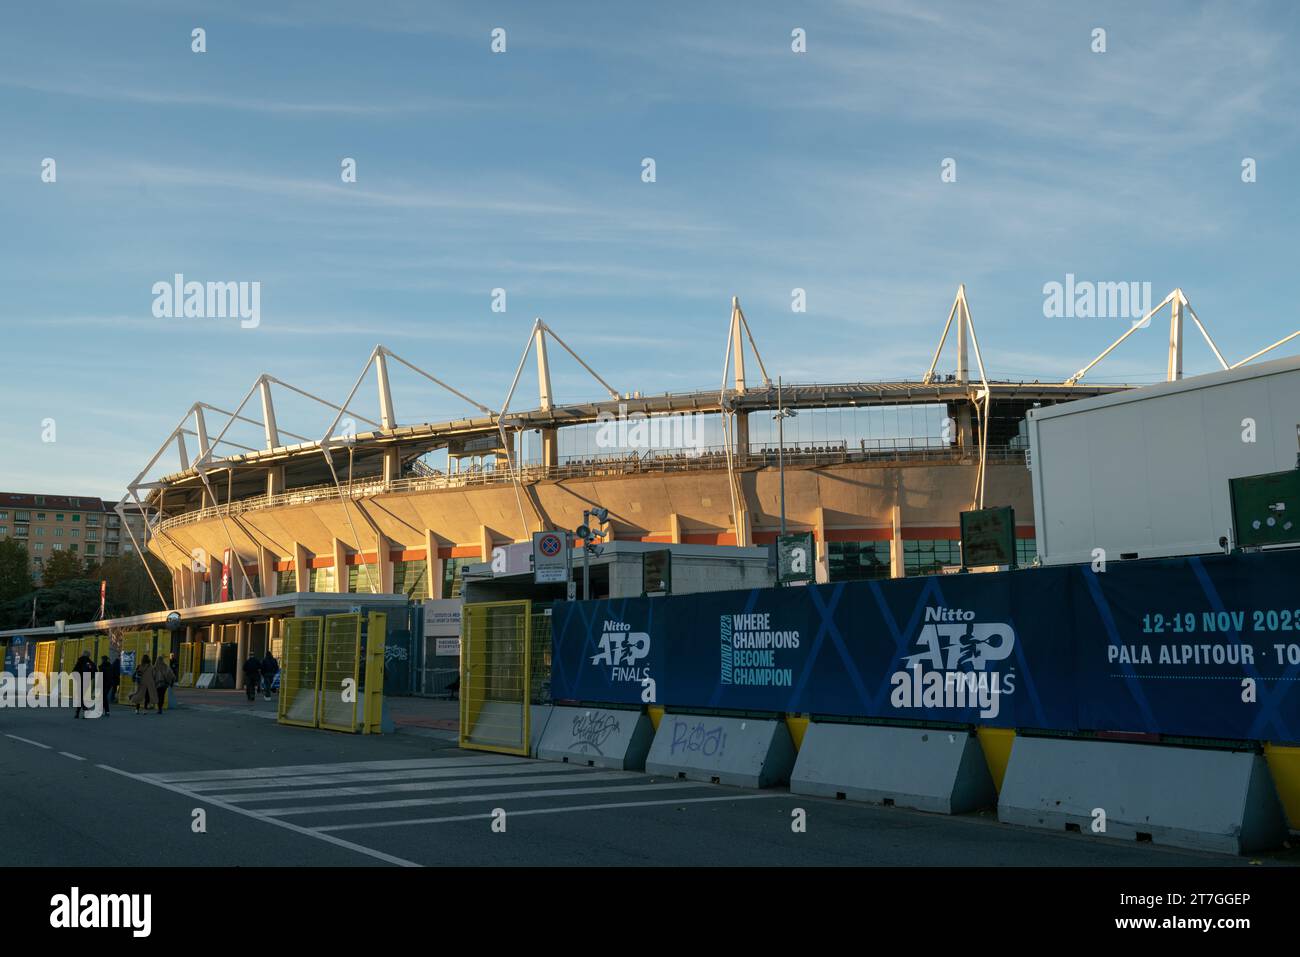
<point x="742" y="436"/>
<point x="822" y="569"/>
<point x="675" y="528"/>
<point x="341" y="568"/>
<point x="266" y="577"/>
<point x="275" y="480"/>
<point x="896" y="567"/>
<point x="485" y="543"/>
<point x="433" y="564"/>
<point x="550" y="447"/>
<point x="384" y="557"/>
<point x="302" y="571"/>
<point x="241" y="629"/>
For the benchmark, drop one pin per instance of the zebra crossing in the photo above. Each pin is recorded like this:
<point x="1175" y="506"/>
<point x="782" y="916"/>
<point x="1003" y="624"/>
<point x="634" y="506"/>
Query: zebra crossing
<point x="425" y="792"/>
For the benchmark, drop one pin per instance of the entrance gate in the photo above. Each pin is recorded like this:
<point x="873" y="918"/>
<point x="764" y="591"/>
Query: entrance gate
<point x="332" y="672"/>
<point x="496" y="676"/>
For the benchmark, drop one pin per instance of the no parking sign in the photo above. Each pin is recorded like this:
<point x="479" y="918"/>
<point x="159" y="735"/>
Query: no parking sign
<point x="549" y="559"/>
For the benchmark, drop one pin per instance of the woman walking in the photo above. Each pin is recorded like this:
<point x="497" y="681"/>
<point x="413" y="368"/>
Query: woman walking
<point x="146" y="688"/>
<point x="163" y="678"/>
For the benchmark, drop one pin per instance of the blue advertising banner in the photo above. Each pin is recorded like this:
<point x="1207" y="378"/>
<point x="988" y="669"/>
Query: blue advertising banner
<point x="1200" y="647"/>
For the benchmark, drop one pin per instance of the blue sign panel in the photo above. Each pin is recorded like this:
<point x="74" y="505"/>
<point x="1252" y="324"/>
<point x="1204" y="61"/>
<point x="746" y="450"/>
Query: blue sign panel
<point x="1203" y="647"/>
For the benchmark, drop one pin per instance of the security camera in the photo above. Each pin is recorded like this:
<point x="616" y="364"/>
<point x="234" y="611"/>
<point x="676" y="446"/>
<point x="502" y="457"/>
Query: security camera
<point x="602" y="514"/>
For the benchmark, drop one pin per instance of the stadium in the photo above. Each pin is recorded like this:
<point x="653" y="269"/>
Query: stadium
<point x="877" y="471"/>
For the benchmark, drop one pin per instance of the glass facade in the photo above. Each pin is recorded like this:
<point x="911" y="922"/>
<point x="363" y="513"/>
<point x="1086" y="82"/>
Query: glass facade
<point x="322" y="579"/>
<point x="411" y="579"/>
<point x="451" y="574"/>
<point x="286" y="582"/>
<point x="858" y="561"/>
<point x="1026" y="551"/>
<point x="928" y="556"/>
<point x="363" y="578"/>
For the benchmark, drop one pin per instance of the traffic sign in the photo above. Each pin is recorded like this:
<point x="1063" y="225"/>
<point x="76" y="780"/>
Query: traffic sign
<point x="549" y="559"/>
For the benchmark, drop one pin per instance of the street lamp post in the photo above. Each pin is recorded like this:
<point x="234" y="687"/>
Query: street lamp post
<point x="782" y="413"/>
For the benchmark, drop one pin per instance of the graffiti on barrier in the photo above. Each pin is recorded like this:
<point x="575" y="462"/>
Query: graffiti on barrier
<point x="708" y="742"/>
<point x="592" y="729"/>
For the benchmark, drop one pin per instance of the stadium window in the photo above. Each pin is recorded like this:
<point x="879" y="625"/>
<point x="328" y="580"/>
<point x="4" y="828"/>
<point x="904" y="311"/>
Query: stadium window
<point x="858" y="561"/>
<point x="361" y="577"/>
<point x="286" y="582"/>
<point x="451" y="575"/>
<point x="928" y="556"/>
<point x="411" y="579"/>
<point x="322" y="579"/>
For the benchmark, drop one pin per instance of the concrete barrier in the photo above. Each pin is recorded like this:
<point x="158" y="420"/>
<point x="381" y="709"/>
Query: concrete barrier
<point x="597" y="737"/>
<point x="1184" y="797"/>
<point x="743" y="752"/>
<point x="941" y="771"/>
<point x="538" y="718"/>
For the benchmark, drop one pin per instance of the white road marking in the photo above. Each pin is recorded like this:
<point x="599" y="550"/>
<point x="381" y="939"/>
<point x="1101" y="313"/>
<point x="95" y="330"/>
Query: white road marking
<point x="29" y="741"/>
<point x="417" y="773"/>
<point x="453" y="784"/>
<point x="75" y="757"/>
<point x="342" y="767"/>
<point x="472" y="798"/>
<point x="255" y="815"/>
<point x="554" y="810"/>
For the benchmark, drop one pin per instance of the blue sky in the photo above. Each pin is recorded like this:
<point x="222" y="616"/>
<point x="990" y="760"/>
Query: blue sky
<point x="522" y="170"/>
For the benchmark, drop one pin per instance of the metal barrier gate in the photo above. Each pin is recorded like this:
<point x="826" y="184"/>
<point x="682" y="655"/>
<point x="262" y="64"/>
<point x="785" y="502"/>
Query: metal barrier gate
<point x="496" y="676"/>
<point x="324" y="681"/>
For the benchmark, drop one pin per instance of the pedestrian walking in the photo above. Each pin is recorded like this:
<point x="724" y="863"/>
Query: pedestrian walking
<point x="163" y="679"/>
<point x="269" y="669"/>
<point x="84" y="670"/>
<point x="109" y="682"/>
<point x="146" y="691"/>
<point x="252" y="676"/>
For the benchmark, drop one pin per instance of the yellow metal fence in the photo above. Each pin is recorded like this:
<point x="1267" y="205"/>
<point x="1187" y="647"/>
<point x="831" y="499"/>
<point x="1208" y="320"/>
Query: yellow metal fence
<point x="332" y="672"/>
<point x="496" y="676"/>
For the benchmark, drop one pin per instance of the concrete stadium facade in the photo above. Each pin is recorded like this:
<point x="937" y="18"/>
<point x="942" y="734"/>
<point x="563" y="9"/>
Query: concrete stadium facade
<point x="362" y="511"/>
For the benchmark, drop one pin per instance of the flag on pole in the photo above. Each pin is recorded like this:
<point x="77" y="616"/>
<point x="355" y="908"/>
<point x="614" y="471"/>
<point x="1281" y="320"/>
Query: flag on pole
<point x="225" y="576"/>
<point x="103" y="592"/>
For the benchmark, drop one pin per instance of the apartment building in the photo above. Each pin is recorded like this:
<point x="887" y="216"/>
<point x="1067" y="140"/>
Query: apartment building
<point x="86" y="526"/>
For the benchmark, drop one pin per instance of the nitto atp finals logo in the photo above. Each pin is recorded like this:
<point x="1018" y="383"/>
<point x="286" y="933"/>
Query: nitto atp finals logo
<point x="952" y="668"/>
<point x="620" y="650"/>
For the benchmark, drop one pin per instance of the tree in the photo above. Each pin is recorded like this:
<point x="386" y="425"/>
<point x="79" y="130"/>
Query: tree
<point x="63" y="566"/>
<point x="130" y="592"/>
<point x="15" y="579"/>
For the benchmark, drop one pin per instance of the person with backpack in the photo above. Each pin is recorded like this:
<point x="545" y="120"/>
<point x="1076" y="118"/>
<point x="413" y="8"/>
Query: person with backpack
<point x="269" y="668"/>
<point x="252" y="675"/>
<point x="109" y="677"/>
<point x="84" y="669"/>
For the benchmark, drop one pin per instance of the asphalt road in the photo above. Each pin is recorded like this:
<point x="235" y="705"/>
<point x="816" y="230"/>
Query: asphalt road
<point x="124" y="792"/>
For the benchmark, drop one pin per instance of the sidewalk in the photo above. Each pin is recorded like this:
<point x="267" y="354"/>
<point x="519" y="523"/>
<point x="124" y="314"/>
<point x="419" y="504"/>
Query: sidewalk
<point x="411" y="714"/>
